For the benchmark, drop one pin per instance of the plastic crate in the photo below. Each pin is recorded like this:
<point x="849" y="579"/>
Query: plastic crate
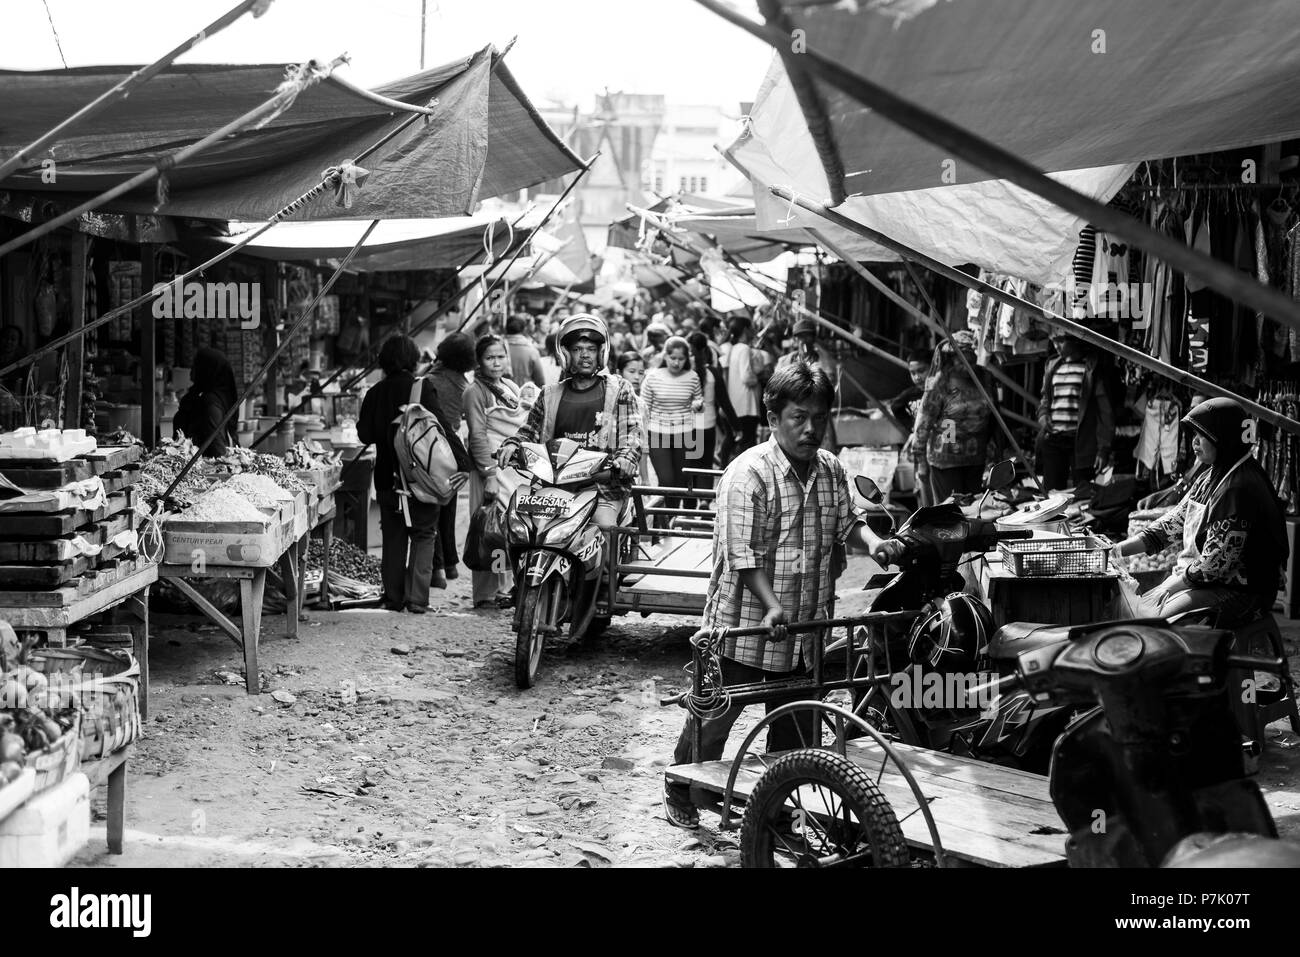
<point x="1056" y="557"/>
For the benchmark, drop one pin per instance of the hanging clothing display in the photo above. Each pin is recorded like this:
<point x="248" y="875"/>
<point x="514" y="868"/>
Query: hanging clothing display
<point x="1158" y="441"/>
<point x="1279" y="452"/>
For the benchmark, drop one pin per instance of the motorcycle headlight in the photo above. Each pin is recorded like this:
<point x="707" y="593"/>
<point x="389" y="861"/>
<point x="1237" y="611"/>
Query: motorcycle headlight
<point x="562" y="529"/>
<point x="520" y="533"/>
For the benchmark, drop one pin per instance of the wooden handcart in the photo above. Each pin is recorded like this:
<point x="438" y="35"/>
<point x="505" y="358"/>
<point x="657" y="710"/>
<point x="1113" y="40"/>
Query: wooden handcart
<point x="851" y="796"/>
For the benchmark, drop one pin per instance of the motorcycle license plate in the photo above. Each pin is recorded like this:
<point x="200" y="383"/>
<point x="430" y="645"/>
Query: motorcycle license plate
<point x="540" y="505"/>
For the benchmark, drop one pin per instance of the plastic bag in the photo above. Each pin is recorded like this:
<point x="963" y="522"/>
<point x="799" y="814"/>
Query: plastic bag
<point x="1129" y="604"/>
<point x="486" y="538"/>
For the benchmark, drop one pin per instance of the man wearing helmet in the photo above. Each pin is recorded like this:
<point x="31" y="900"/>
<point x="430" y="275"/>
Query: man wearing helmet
<point x="589" y="405"/>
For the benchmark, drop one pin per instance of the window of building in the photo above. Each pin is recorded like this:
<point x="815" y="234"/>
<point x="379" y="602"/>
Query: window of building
<point x="704" y="184"/>
<point x="683" y="184"/>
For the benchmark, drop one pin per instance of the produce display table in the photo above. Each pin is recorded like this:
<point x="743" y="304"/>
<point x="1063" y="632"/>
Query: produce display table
<point x="111" y="771"/>
<point x="252" y="589"/>
<point x="320" y="517"/>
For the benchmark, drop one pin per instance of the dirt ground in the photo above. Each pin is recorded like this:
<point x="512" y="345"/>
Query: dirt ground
<point x="404" y="742"/>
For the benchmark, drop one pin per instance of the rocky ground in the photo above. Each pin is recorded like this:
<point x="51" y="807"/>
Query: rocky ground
<point x="394" y="739"/>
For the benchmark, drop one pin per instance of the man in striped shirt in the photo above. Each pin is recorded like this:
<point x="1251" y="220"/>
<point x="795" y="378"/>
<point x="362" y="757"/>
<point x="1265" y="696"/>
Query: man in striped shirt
<point x="783" y="508"/>
<point x="1076" y="417"/>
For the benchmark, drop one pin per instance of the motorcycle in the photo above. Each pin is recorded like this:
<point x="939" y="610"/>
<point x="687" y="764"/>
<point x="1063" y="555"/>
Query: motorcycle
<point x="951" y="647"/>
<point x="557" y="553"/>
<point x="1157" y="756"/>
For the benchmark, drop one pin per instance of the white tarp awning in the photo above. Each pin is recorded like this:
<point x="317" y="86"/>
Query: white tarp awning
<point x="1064" y="86"/>
<point x="992" y="224"/>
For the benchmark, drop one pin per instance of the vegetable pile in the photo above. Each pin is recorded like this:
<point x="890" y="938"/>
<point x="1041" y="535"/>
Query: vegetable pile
<point x="308" y="455"/>
<point x="31" y="720"/>
<point x="162" y="467"/>
<point x="346" y="560"/>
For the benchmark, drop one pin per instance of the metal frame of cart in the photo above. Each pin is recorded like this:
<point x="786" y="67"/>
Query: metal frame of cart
<point x="662" y="571"/>
<point x="990" y="816"/>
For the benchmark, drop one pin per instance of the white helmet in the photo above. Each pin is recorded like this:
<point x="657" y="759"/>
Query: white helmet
<point x="572" y="328"/>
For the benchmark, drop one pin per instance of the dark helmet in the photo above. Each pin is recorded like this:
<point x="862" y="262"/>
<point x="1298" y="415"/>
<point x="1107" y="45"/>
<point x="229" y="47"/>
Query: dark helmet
<point x="951" y="633"/>
<point x="1226" y="423"/>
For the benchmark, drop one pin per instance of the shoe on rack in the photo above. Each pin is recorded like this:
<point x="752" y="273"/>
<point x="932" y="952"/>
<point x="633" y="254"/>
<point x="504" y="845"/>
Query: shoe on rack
<point x="438" y="579"/>
<point x="679" y="812"/>
<point x="415" y="609"/>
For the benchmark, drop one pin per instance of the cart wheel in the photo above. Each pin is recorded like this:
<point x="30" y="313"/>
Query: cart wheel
<point x="531" y="635"/>
<point x="815" y="808"/>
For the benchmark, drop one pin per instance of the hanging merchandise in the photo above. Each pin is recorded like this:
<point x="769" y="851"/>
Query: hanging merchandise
<point x="1158" y="441"/>
<point x="1108" y="296"/>
<point x="1279" y="452"/>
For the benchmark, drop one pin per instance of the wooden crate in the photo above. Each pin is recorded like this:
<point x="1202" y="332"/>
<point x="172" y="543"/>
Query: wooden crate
<point x="247" y="544"/>
<point x="38" y="527"/>
<point x="88" y="584"/>
<point x="60" y="549"/>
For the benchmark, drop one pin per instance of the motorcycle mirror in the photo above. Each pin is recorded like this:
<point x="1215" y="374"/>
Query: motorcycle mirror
<point x="1002" y="475"/>
<point x="868" y="489"/>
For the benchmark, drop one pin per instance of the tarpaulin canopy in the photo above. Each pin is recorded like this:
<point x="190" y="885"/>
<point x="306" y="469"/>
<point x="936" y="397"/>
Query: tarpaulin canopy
<point x="991" y="223"/>
<point x="397" y="245"/>
<point x="737" y="231"/>
<point x="483" y="138"/>
<point x="1066" y="86"/>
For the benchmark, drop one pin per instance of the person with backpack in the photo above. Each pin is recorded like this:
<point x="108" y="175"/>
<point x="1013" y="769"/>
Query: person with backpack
<point x="408" y="548"/>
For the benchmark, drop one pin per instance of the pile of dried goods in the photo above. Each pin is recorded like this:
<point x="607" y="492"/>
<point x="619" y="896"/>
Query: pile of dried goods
<point x="259" y="463"/>
<point x="162" y="467"/>
<point x="258" y="489"/>
<point x="222" y="504"/>
<point x="309" y="455"/>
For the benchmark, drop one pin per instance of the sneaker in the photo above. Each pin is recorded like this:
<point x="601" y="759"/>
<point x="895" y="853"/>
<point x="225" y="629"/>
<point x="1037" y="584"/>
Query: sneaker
<point x="678" y="812"/>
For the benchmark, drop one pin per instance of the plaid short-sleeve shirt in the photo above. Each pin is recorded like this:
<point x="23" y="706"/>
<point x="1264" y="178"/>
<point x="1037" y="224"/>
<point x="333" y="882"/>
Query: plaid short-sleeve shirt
<point x="770" y="520"/>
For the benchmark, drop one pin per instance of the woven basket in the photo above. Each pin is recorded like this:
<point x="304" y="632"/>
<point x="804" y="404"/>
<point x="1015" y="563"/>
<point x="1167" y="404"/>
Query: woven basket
<point x="106" y="686"/>
<point x="57" y="762"/>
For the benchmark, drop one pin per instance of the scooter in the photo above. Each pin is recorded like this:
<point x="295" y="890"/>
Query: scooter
<point x="939" y="653"/>
<point x="557" y="553"/>
<point x="1157" y="757"/>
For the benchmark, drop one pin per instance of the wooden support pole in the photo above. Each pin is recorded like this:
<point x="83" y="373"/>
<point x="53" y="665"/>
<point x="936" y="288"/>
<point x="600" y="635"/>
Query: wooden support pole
<point x="148" y="350"/>
<point x="76" y="348"/>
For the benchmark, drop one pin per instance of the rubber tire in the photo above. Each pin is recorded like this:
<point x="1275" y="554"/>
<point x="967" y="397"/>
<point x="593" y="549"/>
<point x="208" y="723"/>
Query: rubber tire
<point x="833" y="771"/>
<point x="529" y="639"/>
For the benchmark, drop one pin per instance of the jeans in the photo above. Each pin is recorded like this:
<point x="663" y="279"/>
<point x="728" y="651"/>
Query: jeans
<point x="406" y="578"/>
<point x="784" y="734"/>
<point x="668" y="456"/>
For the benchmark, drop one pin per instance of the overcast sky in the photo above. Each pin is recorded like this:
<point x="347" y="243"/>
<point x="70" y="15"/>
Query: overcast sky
<point x="567" y="49"/>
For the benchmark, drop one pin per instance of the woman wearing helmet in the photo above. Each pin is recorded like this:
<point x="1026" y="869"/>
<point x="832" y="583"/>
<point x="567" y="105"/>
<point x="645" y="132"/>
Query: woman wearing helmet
<point x="1230" y="525"/>
<point x="589" y="405"/>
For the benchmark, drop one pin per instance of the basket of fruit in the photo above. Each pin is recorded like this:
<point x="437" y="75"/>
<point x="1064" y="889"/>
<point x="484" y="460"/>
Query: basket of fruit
<point x="30" y="738"/>
<point x="105" y="686"/>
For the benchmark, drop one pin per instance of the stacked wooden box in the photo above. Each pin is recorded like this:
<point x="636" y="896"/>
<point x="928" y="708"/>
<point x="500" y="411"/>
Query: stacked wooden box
<point x="41" y="563"/>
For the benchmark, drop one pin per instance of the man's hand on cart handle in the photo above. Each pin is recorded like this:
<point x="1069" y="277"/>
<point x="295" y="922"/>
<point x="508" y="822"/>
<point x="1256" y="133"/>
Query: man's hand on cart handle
<point x="775" y="621"/>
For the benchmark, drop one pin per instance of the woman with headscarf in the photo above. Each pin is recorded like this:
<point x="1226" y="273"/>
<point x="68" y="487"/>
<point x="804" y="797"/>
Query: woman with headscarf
<point x="1230" y="525"/>
<point x="952" y="426"/>
<point x="211" y="394"/>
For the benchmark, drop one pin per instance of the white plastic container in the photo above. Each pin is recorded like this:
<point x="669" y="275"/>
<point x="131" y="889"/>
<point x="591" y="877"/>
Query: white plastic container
<point x="50" y="828"/>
